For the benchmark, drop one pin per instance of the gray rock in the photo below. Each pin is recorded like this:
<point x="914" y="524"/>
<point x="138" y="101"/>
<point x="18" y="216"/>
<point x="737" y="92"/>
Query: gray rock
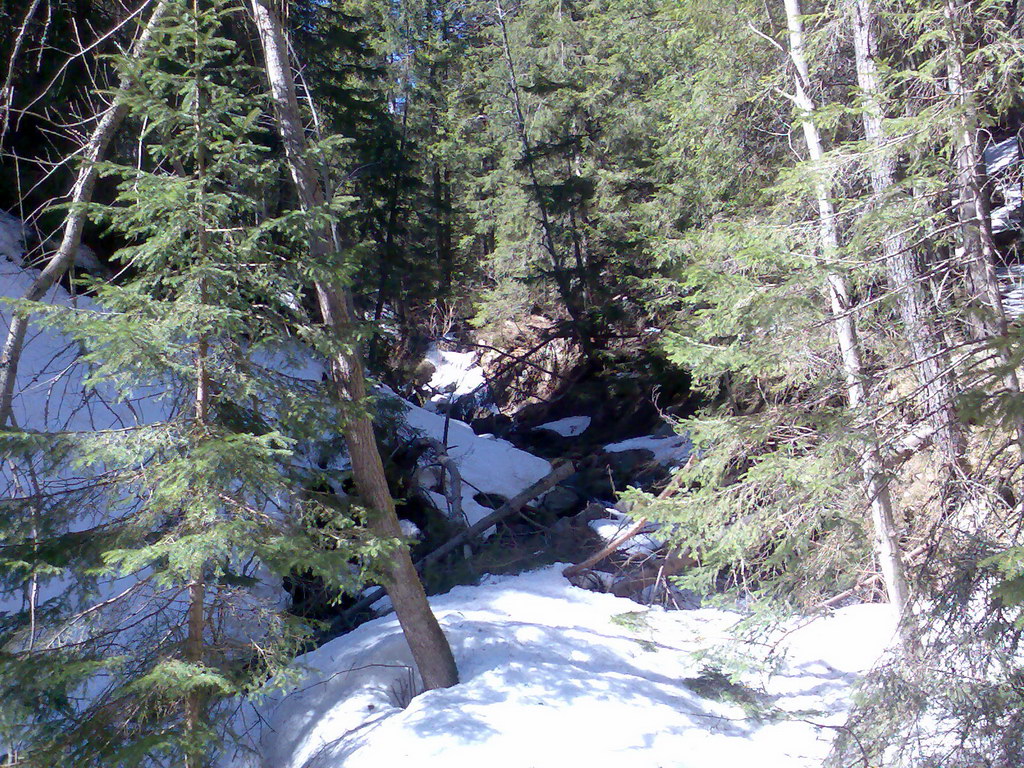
<point x="560" y="500"/>
<point x="624" y="464"/>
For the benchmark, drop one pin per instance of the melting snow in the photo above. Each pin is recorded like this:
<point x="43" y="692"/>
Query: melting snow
<point x="486" y="464"/>
<point x="672" y="450"/>
<point x="644" y="543"/>
<point x="553" y="676"/>
<point x="568" y="427"/>
<point x="455" y="374"/>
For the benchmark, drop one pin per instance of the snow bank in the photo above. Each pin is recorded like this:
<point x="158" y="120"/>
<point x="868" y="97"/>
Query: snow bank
<point x="552" y="676"/>
<point x="571" y="426"/>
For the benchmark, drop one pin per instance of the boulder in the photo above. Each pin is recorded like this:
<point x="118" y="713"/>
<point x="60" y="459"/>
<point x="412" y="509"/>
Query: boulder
<point x="560" y="500"/>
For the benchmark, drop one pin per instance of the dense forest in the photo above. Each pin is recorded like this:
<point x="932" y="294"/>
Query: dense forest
<point x="241" y="238"/>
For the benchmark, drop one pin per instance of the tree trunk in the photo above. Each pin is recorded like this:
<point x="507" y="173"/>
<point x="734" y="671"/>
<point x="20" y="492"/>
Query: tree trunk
<point x="886" y="539"/>
<point x="973" y="209"/>
<point x="937" y="382"/>
<point x="81" y="196"/>
<point x="429" y="646"/>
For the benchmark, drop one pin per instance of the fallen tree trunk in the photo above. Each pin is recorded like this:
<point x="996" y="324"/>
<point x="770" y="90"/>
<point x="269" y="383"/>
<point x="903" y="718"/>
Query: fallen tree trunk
<point x="510" y="507"/>
<point x="629" y="533"/>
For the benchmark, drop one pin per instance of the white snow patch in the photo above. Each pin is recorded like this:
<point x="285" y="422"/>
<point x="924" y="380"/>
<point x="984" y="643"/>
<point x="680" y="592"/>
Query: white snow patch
<point x="410" y="529"/>
<point x="672" y="450"/>
<point x="571" y="426"/>
<point x="455" y="374"/>
<point x="486" y="464"/>
<point x="551" y="676"/>
<point x="1001" y="156"/>
<point x="643" y="543"/>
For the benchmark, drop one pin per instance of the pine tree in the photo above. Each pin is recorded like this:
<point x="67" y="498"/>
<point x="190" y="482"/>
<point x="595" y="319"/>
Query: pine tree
<point x="137" y="668"/>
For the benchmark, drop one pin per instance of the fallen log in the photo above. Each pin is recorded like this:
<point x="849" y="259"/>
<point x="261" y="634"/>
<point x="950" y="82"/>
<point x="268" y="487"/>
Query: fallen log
<point x="510" y="507"/>
<point x="629" y="533"/>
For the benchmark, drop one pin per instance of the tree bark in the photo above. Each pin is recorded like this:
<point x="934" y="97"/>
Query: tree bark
<point x="430" y="649"/>
<point x="81" y="196"/>
<point x="937" y="382"/>
<point x="886" y="538"/>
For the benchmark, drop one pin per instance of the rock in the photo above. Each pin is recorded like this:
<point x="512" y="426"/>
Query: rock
<point x="492" y="423"/>
<point x="593" y="511"/>
<point x="489" y="500"/>
<point x="594" y="483"/>
<point x="560" y="500"/>
<point x="623" y="464"/>
<point x="422" y="374"/>
<point x="625" y="507"/>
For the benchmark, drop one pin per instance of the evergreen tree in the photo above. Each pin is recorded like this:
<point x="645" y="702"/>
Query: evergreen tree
<point x="134" y="670"/>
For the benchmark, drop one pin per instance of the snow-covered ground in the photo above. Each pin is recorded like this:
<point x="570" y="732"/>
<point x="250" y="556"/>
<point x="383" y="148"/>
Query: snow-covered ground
<point x="553" y="675"/>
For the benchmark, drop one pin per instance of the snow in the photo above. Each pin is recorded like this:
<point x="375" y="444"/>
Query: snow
<point x="643" y="543"/>
<point x="552" y="675"/>
<point x="573" y="426"/>
<point x="12" y="239"/>
<point x="672" y="450"/>
<point x="1001" y="156"/>
<point x="1008" y="217"/>
<point x="455" y="373"/>
<point x="486" y="464"/>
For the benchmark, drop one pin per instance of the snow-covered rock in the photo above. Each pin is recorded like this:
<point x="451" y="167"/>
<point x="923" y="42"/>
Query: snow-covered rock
<point x="671" y="451"/>
<point x="552" y="675"/>
<point x="571" y="426"/>
<point x="487" y="464"/>
<point x="455" y="373"/>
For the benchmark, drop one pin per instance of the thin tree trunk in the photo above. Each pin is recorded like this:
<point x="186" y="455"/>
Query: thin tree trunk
<point x="938" y="385"/>
<point x="7" y="91"/>
<point x="194" y="642"/>
<point x="81" y="196"/>
<point x="973" y="209"/>
<point x="577" y="313"/>
<point x="886" y="538"/>
<point x="429" y="646"/>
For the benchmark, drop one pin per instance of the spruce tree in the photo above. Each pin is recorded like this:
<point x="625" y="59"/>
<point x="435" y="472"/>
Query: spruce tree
<point x="200" y="503"/>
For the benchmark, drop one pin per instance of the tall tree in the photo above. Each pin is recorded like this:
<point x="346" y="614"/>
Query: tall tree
<point x="429" y="646"/>
<point x="934" y="372"/>
<point x="843" y="314"/>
